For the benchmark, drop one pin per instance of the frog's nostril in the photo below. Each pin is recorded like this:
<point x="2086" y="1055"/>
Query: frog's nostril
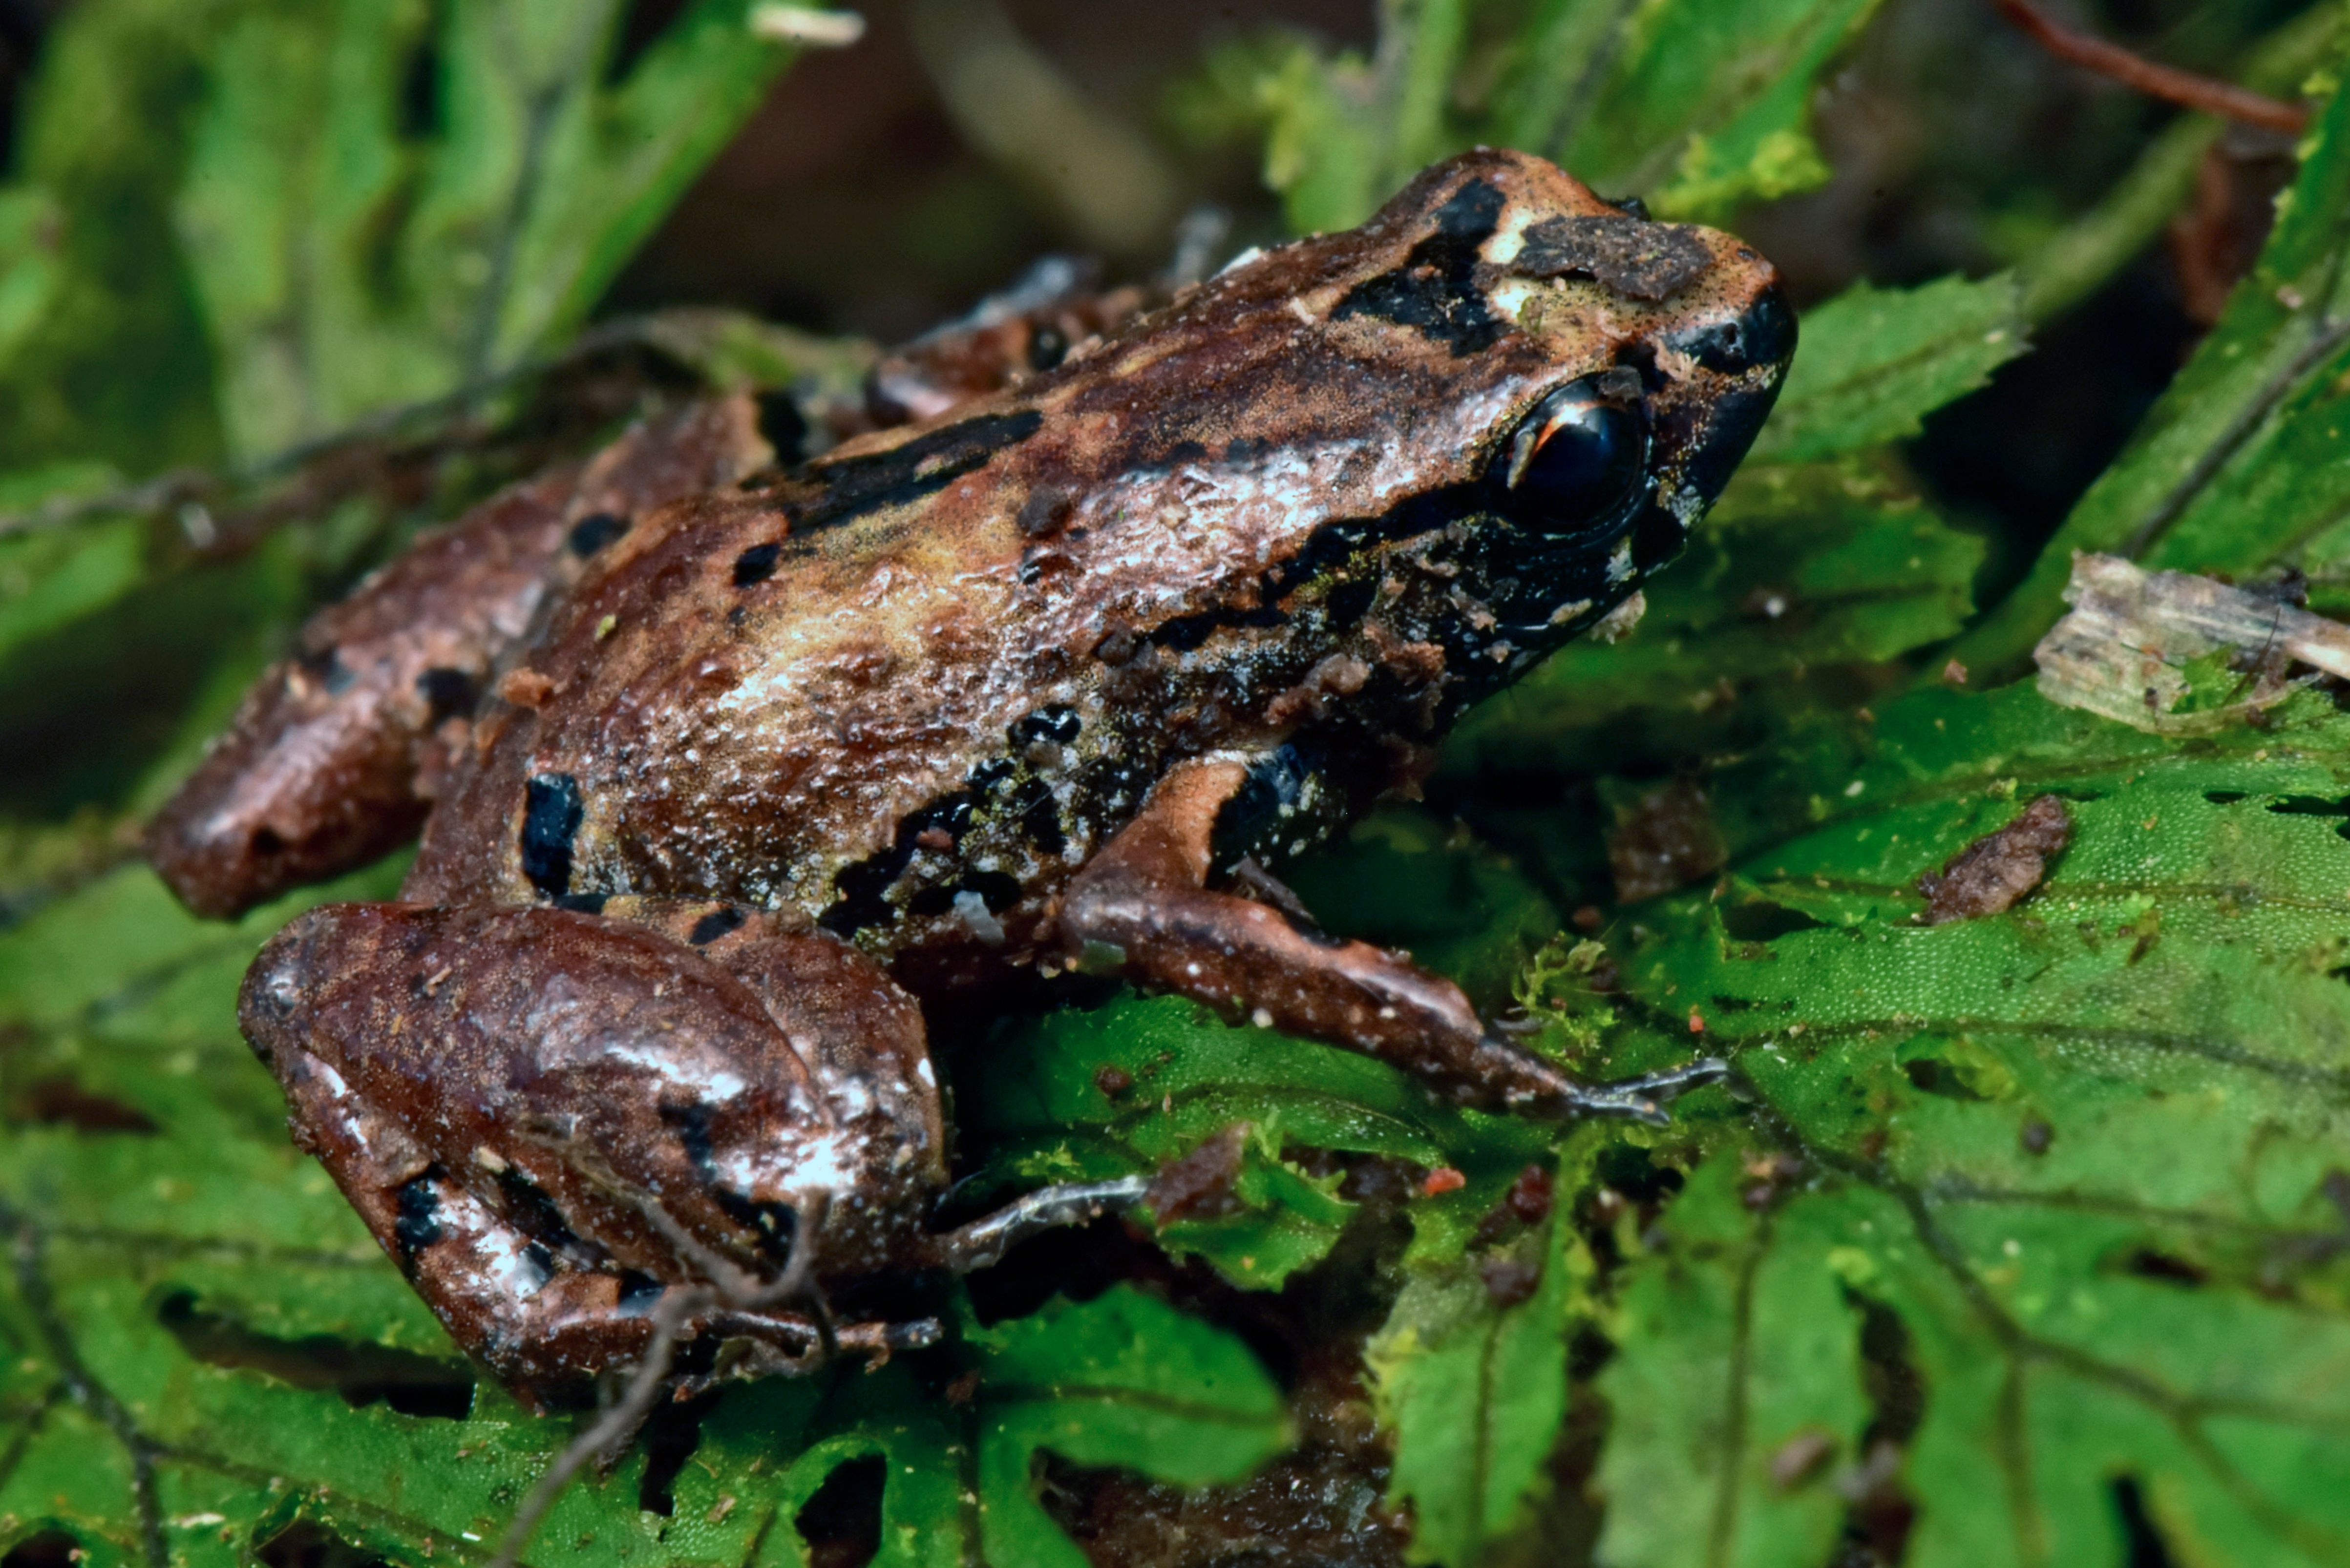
<point x="1768" y="328"/>
<point x="1762" y="334"/>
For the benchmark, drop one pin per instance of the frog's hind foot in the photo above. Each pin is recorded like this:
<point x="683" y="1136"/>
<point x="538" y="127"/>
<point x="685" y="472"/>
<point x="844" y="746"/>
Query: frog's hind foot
<point x="1644" y="1099"/>
<point x="982" y="1244"/>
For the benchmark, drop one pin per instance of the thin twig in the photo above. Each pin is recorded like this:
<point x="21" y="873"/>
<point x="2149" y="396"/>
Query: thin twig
<point x="2168" y="83"/>
<point x="730" y="1287"/>
<point x="619" y="1422"/>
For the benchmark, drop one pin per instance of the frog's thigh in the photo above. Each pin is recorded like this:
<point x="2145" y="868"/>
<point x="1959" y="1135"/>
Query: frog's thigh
<point x="542" y="1312"/>
<point x="537" y="1325"/>
<point x="860" y="1034"/>
<point x="1144" y="896"/>
<point x="320" y="770"/>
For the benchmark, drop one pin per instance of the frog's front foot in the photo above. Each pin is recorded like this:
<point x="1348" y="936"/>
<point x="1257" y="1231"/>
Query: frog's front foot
<point x="1142" y="905"/>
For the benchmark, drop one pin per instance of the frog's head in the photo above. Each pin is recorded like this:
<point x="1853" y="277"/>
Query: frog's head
<point x="1531" y="392"/>
<point x="1630" y="365"/>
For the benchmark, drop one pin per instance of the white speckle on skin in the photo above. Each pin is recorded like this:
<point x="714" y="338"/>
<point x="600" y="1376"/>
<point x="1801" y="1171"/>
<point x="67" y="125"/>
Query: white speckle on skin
<point x="978" y="920"/>
<point x="1565" y="613"/>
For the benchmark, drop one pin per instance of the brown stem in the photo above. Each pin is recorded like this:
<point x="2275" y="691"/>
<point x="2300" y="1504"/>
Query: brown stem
<point x="2209" y="94"/>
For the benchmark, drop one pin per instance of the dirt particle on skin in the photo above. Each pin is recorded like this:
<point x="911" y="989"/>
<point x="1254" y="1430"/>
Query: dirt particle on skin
<point x="1667" y="839"/>
<point x="1200" y="1184"/>
<point x="1112" y="1080"/>
<point x="525" y="688"/>
<point x="1045" y="510"/>
<point x="1995" y="872"/>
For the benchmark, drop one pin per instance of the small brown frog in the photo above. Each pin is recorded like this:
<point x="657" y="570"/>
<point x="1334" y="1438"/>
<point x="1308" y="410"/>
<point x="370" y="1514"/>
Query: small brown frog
<point x="726" y="772"/>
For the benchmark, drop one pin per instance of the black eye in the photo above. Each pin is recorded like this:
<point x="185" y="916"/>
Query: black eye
<point x="1576" y="463"/>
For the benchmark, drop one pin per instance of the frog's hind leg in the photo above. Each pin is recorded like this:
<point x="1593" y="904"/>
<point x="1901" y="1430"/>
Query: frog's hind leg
<point x="1142" y="904"/>
<point x="324" y="766"/>
<point x="555" y="1125"/>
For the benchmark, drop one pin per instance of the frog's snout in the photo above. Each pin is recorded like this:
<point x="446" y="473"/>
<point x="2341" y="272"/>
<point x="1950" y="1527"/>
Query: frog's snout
<point x="1763" y="334"/>
<point x="1766" y="331"/>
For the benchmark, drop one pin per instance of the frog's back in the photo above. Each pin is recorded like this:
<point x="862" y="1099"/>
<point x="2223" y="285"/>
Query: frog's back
<point x="908" y="690"/>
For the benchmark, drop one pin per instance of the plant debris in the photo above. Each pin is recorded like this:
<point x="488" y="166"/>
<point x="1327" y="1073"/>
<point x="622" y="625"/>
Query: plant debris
<point x="1994" y="873"/>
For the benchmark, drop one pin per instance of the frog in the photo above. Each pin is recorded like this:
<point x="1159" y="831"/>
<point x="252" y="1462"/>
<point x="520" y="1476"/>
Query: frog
<point x="735" y="778"/>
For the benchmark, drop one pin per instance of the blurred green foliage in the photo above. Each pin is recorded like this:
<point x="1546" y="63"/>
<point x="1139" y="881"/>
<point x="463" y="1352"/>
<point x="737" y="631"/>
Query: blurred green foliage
<point x="2019" y="1240"/>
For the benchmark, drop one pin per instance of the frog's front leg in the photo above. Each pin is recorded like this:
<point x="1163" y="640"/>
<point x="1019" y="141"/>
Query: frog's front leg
<point x="1143" y="904"/>
<point x="321" y="771"/>
<point x="550" y="1119"/>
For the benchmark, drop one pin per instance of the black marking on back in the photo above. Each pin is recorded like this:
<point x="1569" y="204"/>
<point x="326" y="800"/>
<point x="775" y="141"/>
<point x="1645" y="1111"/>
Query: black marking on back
<point x="550" y="820"/>
<point x="714" y="925"/>
<point x="595" y="531"/>
<point x="910" y="470"/>
<point x="448" y="693"/>
<point x="756" y="564"/>
<point x="416" y="1221"/>
<point x="862" y="887"/>
<point x="639" y="1293"/>
<point x="1435" y="291"/>
<point x="326" y="667"/>
<point x="1641" y="260"/>
<point x="1056" y="724"/>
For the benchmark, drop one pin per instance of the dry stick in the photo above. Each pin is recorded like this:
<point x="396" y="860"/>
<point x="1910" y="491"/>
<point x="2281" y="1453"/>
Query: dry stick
<point x="615" y="1425"/>
<point x="2209" y="94"/>
<point x="731" y="1286"/>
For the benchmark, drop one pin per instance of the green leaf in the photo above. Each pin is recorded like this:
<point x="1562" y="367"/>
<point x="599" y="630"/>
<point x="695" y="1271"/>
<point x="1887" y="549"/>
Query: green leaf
<point x="2076" y="1161"/>
<point x="102" y="145"/>
<point x="1693" y="104"/>
<point x="1875" y="361"/>
<point x="1737" y="1393"/>
<point x="1476" y="1391"/>
<point x="2234" y="468"/>
<point x="1123" y="1379"/>
<point x="1042" y="1113"/>
<point x="1698" y="105"/>
<point x="348" y="263"/>
<point x="48" y="580"/>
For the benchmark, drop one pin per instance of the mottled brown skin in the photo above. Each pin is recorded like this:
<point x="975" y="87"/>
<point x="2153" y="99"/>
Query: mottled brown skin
<point x="1026" y="687"/>
<point x="327" y="764"/>
<point x="1004" y="344"/>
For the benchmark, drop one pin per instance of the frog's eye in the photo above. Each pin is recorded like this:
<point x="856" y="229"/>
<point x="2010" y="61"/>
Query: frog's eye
<point x="1577" y="463"/>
